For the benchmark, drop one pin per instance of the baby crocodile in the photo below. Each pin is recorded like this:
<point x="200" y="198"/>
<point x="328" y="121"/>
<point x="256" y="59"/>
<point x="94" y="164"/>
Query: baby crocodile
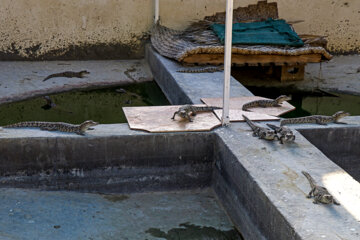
<point x="68" y="74"/>
<point x="187" y="110"/>
<point x="261" y="132"/>
<point x="266" y="103"/>
<point x="57" y="126"/>
<point x="321" y="194"/>
<point x="319" y="119"/>
<point x="207" y="69"/>
<point x="286" y="135"/>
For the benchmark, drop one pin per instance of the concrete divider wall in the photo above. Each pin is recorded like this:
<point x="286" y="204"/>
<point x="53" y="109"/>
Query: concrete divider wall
<point x="115" y="163"/>
<point x="245" y="201"/>
<point x="341" y="145"/>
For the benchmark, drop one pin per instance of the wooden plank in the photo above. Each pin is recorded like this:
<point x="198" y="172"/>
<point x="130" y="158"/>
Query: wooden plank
<point x="217" y="59"/>
<point x="238" y="102"/>
<point x="158" y="119"/>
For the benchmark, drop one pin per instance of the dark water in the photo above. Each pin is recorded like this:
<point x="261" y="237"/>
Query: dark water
<point x="187" y="231"/>
<point x="313" y="103"/>
<point x="102" y="105"/>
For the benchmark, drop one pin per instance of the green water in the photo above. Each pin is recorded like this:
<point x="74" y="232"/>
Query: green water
<point x="313" y="103"/>
<point x="101" y="105"/>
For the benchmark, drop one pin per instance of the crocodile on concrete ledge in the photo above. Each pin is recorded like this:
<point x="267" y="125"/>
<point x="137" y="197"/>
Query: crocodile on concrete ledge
<point x="68" y="74"/>
<point x="56" y="126"/>
<point x="321" y="194"/>
<point x="286" y="135"/>
<point x="187" y="110"/>
<point x="206" y="69"/>
<point x="261" y="132"/>
<point x="266" y="103"/>
<point x="319" y="119"/>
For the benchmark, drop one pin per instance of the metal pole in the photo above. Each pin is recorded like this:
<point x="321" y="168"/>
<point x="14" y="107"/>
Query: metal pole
<point x="227" y="61"/>
<point x="156" y="11"/>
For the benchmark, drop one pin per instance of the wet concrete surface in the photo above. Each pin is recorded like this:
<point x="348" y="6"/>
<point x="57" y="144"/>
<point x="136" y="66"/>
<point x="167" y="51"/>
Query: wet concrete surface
<point x="28" y="215"/>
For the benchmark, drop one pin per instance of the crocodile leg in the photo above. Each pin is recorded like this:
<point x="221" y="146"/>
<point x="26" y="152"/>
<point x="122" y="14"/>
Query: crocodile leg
<point x="319" y="122"/>
<point x="188" y="117"/>
<point x="173" y="118"/>
<point x="311" y="192"/>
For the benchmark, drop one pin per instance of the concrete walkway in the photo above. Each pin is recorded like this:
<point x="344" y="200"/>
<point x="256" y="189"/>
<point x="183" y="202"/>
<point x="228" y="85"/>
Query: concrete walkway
<point x="22" y="80"/>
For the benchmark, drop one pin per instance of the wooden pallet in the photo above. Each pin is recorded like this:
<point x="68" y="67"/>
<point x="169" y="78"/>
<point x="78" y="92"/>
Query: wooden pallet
<point x="292" y="67"/>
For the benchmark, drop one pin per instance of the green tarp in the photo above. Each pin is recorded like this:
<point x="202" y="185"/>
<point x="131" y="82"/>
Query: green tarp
<point x="269" y="32"/>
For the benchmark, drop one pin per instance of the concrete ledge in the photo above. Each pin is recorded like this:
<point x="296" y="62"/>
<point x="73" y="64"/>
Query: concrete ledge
<point x="267" y="176"/>
<point x="187" y="88"/>
<point x="117" y="163"/>
<point x="334" y="142"/>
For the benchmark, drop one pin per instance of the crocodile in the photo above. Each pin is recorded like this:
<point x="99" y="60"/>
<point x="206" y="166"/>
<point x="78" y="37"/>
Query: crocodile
<point x="266" y="103"/>
<point x="206" y="69"/>
<point x="319" y="119"/>
<point x="286" y="135"/>
<point x="320" y="194"/>
<point x="56" y="126"/>
<point x="68" y="74"/>
<point x="261" y="132"/>
<point x="187" y="110"/>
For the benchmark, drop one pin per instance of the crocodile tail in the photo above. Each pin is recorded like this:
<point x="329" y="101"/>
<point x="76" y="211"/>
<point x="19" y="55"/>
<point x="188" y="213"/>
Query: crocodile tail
<point x="309" y="178"/>
<point x="48" y="77"/>
<point x="276" y="128"/>
<point x="22" y="124"/>
<point x="284" y="122"/>
<point x="249" y="122"/>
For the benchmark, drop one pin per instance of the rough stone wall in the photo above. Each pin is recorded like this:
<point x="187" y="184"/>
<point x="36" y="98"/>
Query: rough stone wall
<point x="73" y="29"/>
<point x="337" y="19"/>
<point x="108" y="29"/>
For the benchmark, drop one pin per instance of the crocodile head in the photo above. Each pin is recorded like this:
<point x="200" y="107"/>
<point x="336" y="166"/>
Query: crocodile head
<point x="340" y="114"/>
<point x="282" y="98"/>
<point x="327" y="199"/>
<point x="87" y="124"/>
<point x="83" y="73"/>
<point x="268" y="135"/>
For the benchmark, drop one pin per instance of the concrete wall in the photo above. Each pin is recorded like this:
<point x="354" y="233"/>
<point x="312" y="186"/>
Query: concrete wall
<point x="92" y="29"/>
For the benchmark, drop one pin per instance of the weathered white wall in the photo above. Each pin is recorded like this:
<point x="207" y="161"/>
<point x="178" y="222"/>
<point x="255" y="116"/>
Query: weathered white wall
<point x="108" y="28"/>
